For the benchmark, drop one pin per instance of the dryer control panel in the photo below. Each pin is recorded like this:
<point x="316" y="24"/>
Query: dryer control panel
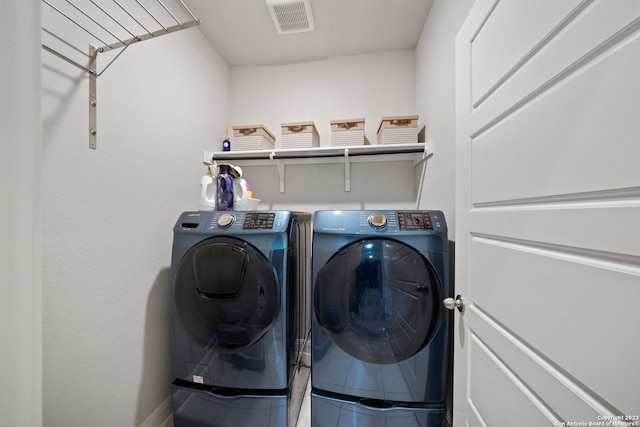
<point x="406" y="221"/>
<point x="414" y="221"/>
<point x="259" y="221"/>
<point x="379" y="222"/>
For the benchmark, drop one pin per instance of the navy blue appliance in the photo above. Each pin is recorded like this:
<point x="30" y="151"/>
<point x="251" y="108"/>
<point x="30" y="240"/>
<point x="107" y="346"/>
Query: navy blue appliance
<point x="380" y="333"/>
<point x="239" y="287"/>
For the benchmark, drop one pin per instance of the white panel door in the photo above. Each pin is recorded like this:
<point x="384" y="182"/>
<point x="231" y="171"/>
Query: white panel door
<point x="548" y="214"/>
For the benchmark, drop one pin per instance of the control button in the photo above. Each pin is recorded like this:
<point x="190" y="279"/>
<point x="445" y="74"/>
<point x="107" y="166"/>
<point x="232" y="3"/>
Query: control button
<point x="377" y="220"/>
<point x="226" y="220"/>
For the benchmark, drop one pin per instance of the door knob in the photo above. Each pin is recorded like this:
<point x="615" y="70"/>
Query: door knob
<point x="450" y="303"/>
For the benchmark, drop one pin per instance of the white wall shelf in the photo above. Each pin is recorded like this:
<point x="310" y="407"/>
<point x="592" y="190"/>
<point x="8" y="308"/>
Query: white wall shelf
<point x="417" y="154"/>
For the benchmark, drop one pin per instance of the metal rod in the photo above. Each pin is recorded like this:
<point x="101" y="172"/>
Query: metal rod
<point x="80" y="26"/>
<point x="169" y="12"/>
<point x="69" y="60"/>
<point x="93" y="20"/>
<point x="120" y="43"/>
<point x="159" y="32"/>
<point x="151" y="15"/>
<point x="114" y="59"/>
<point x="132" y="17"/>
<point x="61" y="40"/>
<point x="112" y="18"/>
<point x="82" y="67"/>
<point x="187" y="9"/>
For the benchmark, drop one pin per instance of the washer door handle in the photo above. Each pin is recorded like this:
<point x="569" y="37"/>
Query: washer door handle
<point x="451" y="304"/>
<point x="422" y="289"/>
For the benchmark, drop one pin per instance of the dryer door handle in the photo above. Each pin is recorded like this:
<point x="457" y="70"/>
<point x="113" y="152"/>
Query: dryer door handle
<point x="451" y="304"/>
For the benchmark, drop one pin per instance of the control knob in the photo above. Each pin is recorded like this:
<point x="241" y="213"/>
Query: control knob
<point x="377" y="220"/>
<point x="226" y="220"/>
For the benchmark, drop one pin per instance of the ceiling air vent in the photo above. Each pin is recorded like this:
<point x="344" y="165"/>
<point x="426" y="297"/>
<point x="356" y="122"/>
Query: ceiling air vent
<point x="291" y="16"/>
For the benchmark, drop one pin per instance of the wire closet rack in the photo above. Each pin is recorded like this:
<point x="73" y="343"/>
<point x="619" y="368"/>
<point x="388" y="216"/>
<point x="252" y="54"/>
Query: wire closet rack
<point x="77" y="31"/>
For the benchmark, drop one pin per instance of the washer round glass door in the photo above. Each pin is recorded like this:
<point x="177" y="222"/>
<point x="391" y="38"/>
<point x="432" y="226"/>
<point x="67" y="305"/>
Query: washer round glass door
<point x="226" y="294"/>
<point x="379" y="300"/>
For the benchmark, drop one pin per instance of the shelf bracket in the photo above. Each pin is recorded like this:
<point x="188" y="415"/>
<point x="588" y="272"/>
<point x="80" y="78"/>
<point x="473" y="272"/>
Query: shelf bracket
<point x="280" y="166"/>
<point x="428" y="152"/>
<point x="93" y="100"/>
<point x="347" y="171"/>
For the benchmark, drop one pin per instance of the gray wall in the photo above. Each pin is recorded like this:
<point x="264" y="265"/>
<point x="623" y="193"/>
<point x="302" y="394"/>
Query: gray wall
<point x="366" y="86"/>
<point x="435" y="101"/>
<point x="20" y="215"/>
<point x="107" y="220"/>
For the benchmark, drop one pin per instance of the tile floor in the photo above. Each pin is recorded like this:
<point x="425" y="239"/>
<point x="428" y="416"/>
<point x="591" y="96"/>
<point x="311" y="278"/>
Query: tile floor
<point x="304" y="419"/>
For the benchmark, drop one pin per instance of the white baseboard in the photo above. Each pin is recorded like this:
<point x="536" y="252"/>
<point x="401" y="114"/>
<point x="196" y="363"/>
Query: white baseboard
<point x="162" y="416"/>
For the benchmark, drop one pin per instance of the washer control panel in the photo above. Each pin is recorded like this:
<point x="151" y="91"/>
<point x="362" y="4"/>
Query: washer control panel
<point x="414" y="221"/>
<point x="232" y="222"/>
<point x="377" y="220"/>
<point x="226" y="220"/>
<point x="259" y="221"/>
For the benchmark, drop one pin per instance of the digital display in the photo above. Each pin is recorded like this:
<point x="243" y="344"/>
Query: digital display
<point x="259" y="221"/>
<point x="414" y="221"/>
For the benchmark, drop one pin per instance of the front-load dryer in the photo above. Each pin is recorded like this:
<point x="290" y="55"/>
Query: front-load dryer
<point x="239" y="285"/>
<point x="380" y="333"/>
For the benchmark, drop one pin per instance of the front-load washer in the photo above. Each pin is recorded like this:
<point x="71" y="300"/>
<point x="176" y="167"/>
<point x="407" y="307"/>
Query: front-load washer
<point x="239" y="285"/>
<point x="380" y="334"/>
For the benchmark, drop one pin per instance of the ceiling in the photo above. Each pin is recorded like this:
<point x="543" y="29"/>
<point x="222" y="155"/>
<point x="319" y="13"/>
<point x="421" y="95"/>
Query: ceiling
<point x="243" y="32"/>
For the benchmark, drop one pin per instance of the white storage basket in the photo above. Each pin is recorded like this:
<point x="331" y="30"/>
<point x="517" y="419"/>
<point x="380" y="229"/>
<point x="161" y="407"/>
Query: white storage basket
<point x="398" y="130"/>
<point x="346" y="133"/>
<point x="255" y="137"/>
<point x="299" y="135"/>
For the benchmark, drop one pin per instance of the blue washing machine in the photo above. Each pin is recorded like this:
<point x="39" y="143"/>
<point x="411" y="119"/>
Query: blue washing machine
<point x="380" y="334"/>
<point x="239" y="284"/>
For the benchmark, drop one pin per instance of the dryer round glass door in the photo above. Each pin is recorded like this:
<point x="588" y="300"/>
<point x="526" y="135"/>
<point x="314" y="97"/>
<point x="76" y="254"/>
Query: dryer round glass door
<point x="226" y="294"/>
<point x="379" y="300"/>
